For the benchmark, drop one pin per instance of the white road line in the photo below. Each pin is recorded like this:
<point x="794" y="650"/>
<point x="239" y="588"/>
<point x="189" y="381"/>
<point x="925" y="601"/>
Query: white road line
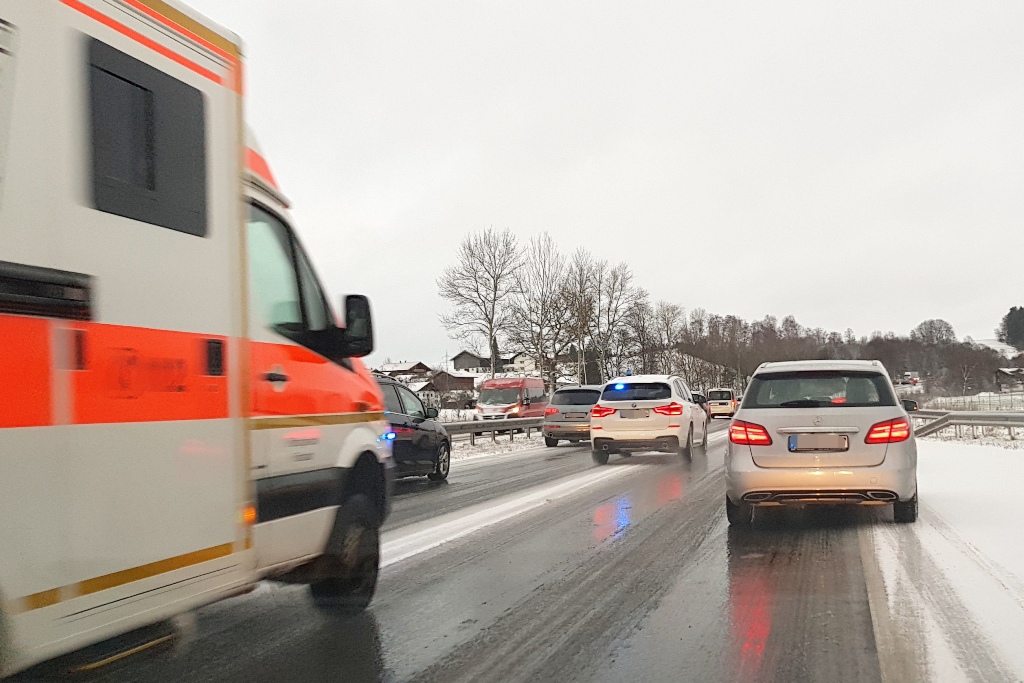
<point x="408" y="541"/>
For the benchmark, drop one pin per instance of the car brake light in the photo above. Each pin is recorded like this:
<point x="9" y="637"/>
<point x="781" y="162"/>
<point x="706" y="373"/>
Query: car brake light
<point x="601" y="411"/>
<point x="749" y="434"/>
<point x="671" y="409"/>
<point x="890" y="431"/>
<point x="551" y="411"/>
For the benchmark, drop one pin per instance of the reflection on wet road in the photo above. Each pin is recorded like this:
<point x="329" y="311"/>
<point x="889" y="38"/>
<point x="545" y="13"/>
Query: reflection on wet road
<point x="634" y="575"/>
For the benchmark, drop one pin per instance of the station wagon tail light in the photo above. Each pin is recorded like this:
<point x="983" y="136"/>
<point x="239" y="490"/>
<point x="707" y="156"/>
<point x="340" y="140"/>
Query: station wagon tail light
<point x="749" y="434"/>
<point x="890" y="431"/>
<point x="601" y="411"/>
<point x="671" y="409"/>
<point x="551" y="411"/>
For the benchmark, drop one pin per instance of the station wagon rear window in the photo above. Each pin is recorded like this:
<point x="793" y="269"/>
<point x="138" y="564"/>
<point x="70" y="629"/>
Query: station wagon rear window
<point x="636" y="391"/>
<point x="819" y="389"/>
<point x="575" y="397"/>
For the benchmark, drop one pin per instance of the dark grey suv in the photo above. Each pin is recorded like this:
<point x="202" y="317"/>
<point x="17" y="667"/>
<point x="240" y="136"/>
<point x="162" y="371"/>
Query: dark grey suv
<point x="568" y="414"/>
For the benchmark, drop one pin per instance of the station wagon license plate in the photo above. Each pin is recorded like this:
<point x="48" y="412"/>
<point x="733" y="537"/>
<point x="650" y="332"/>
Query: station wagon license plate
<point x="799" y="443"/>
<point x="576" y="416"/>
<point x="635" y="414"/>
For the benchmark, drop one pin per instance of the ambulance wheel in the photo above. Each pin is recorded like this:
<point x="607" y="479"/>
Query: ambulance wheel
<point x="355" y="545"/>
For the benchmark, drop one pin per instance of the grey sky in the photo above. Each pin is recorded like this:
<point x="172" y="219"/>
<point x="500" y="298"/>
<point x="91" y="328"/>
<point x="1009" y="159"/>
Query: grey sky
<point x="854" y="164"/>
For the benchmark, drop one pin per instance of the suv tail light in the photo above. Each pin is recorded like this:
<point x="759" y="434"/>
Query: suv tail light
<point x="671" y="409"/>
<point x="749" y="434"/>
<point x="551" y="411"/>
<point x="890" y="431"/>
<point x="601" y="411"/>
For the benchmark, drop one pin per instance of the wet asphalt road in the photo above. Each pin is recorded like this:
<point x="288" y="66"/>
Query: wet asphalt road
<point x="635" y="577"/>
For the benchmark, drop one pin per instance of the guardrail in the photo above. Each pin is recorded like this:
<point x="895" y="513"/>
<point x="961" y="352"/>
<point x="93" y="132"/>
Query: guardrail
<point x="474" y="427"/>
<point x="936" y="420"/>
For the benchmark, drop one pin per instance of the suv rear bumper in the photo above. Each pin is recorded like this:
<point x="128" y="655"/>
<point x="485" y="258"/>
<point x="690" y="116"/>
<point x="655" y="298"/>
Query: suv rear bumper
<point x="667" y="444"/>
<point x="568" y="430"/>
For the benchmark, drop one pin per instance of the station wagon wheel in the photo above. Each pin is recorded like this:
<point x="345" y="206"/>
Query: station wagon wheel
<point x="549" y="442"/>
<point x="444" y="462"/>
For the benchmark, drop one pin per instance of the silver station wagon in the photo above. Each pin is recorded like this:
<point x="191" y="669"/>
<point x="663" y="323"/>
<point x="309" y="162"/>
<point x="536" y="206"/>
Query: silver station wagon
<point x="830" y="432"/>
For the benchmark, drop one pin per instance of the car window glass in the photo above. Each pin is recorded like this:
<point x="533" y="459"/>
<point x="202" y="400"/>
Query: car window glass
<point x="636" y="391"/>
<point x="391" y="402"/>
<point x="413" y="406"/>
<point x="719" y="395"/>
<point x="575" y="397"/>
<point x="819" y="389"/>
<point x="272" y="282"/>
<point x="318" y="314"/>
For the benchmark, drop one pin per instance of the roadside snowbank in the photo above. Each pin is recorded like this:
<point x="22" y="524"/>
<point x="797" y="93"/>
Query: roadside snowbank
<point x="462" y="450"/>
<point x="952" y="606"/>
<point x="996" y="437"/>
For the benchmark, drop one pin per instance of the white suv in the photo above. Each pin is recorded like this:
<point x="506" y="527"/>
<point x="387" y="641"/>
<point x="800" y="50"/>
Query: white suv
<point x="646" y="413"/>
<point x="821" y="432"/>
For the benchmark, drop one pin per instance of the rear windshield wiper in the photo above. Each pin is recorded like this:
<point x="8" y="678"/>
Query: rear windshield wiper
<point x="801" y="403"/>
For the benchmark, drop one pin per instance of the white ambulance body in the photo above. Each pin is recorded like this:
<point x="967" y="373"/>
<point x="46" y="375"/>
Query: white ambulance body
<point x="181" y="414"/>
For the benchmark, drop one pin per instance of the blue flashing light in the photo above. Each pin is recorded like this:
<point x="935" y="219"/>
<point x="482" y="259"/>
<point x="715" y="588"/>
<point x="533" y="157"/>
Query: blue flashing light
<point x="389" y="436"/>
<point x="620" y="386"/>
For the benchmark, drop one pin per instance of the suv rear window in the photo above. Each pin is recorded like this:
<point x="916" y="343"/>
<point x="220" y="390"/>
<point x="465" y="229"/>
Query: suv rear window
<point x="818" y="389"/>
<point x="638" y="391"/>
<point x="719" y="395"/>
<point x="575" y="397"/>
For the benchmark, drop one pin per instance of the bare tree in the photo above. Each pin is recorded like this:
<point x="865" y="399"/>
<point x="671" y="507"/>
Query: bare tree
<point x="581" y="296"/>
<point x="538" y="312"/>
<point x="615" y="295"/>
<point x="479" y="286"/>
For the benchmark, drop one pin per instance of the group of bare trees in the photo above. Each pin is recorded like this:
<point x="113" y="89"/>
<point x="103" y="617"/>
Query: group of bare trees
<point x="573" y="314"/>
<point x="566" y="312"/>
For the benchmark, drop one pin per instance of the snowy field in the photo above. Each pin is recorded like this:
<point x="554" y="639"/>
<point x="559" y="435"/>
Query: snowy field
<point x="978" y="436"/>
<point x="962" y="615"/>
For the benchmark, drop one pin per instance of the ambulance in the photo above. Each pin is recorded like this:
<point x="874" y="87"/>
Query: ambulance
<point x="182" y="412"/>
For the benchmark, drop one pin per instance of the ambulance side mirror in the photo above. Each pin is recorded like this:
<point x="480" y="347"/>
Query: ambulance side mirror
<point x="358" y="326"/>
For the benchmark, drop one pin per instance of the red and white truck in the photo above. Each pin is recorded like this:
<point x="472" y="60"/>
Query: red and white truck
<point x="181" y="413"/>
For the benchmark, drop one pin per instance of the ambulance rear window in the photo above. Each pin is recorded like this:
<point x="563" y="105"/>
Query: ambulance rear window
<point x="148" y="142"/>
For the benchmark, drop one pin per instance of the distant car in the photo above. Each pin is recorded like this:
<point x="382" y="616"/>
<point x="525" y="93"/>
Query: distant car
<point x="821" y="432"/>
<point x="646" y="413"/>
<point x="420" y="444"/>
<point x="567" y="416"/>
<point x="722" y="402"/>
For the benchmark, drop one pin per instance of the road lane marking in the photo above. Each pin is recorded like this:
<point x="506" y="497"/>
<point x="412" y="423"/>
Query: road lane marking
<point x="409" y="541"/>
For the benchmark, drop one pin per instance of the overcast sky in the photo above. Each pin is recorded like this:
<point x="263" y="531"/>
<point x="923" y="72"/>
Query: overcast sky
<point x="854" y="164"/>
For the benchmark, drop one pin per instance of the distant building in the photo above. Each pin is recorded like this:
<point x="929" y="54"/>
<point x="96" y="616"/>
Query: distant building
<point x="471" y="362"/>
<point x="404" y="368"/>
<point x="1010" y="379"/>
<point x="427" y="392"/>
<point x="454" y="380"/>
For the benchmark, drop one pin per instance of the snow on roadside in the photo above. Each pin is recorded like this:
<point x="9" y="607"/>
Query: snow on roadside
<point x="987" y="436"/>
<point x="955" y="579"/>
<point x="461" y="449"/>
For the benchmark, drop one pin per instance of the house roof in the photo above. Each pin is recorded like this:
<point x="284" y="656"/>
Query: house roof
<point x="402" y="367"/>
<point x="417" y="387"/>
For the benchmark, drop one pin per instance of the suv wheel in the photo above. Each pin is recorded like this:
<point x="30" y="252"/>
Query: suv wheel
<point x="905" y="512"/>
<point x="549" y="442"/>
<point x="739" y="514"/>
<point x="600" y="457"/>
<point x="687" y="450"/>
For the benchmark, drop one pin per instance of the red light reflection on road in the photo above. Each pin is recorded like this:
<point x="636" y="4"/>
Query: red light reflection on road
<point x="670" y="488"/>
<point x="751" y="599"/>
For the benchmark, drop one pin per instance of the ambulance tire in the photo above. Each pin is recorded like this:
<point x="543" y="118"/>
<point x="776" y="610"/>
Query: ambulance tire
<point x="358" y="553"/>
